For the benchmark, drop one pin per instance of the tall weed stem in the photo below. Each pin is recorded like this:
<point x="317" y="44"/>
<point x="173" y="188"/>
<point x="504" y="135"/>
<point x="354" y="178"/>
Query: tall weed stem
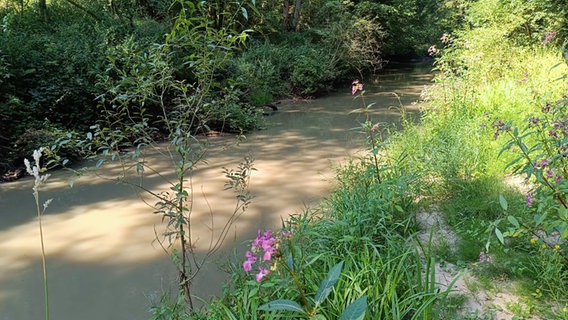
<point x="35" y="171"/>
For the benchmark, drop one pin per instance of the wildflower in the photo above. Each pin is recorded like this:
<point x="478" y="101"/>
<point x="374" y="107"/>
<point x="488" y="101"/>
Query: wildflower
<point x="549" y="173"/>
<point x="433" y="50"/>
<point x="262" y="272"/>
<point x="446" y="38"/>
<point x="556" y="248"/>
<point x="544" y="163"/>
<point x="548" y="36"/>
<point x="251" y="258"/>
<point x="286" y="234"/>
<point x="557" y="179"/>
<point x="356" y="86"/>
<point x="483" y="257"/>
<point x="553" y="134"/>
<point x="546" y="108"/>
<point x="533" y="240"/>
<point x="529" y="199"/>
<point x="265" y="246"/>
<point x="375" y="127"/>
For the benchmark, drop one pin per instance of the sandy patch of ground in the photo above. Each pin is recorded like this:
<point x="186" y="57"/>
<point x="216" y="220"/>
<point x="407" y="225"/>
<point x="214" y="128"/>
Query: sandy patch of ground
<point x="486" y="304"/>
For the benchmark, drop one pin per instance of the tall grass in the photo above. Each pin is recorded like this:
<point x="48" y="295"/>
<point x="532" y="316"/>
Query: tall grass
<point x="483" y="78"/>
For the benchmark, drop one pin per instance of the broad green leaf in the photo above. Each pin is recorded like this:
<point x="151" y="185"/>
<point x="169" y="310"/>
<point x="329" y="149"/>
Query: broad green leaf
<point x="282" y="305"/>
<point x="503" y="202"/>
<point x="499" y="235"/>
<point x="327" y="284"/>
<point x="356" y="310"/>
<point x="514" y="221"/>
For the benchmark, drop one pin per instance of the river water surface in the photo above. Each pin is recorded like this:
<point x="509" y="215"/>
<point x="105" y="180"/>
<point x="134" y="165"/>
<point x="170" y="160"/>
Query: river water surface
<point x="102" y="258"/>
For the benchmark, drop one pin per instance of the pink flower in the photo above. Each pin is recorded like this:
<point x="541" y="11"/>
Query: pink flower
<point x="264" y="245"/>
<point x="433" y="50"/>
<point x="268" y="253"/>
<point x="262" y="272"/>
<point x="356" y="86"/>
<point x="375" y="127"/>
<point x="251" y="258"/>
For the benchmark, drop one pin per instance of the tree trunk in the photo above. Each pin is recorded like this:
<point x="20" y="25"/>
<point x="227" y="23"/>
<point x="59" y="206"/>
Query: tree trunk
<point x="285" y="14"/>
<point x="296" y="14"/>
<point x="42" y="5"/>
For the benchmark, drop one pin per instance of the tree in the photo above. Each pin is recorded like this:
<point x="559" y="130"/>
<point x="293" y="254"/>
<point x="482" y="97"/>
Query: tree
<point x="42" y="5"/>
<point x="286" y="15"/>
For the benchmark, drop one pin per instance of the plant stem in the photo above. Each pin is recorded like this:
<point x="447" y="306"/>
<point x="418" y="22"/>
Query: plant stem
<point x="43" y="260"/>
<point x="299" y="286"/>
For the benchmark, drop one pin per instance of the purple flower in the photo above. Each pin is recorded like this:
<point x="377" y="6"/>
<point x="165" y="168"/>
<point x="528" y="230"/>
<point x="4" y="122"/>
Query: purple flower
<point x="548" y="36"/>
<point x="557" y="179"/>
<point x="546" y="108"/>
<point x="549" y="174"/>
<point x="544" y="163"/>
<point x="529" y="199"/>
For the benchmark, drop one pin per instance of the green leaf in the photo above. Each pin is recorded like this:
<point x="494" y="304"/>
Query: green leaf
<point x="327" y="284"/>
<point x="514" y="221"/>
<point x="245" y="13"/>
<point x="356" y="310"/>
<point x="290" y="262"/>
<point x="503" y="202"/>
<point x="282" y="305"/>
<point x="499" y="235"/>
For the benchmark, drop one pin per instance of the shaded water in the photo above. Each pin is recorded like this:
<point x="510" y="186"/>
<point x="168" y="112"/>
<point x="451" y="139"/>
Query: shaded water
<point x="103" y="261"/>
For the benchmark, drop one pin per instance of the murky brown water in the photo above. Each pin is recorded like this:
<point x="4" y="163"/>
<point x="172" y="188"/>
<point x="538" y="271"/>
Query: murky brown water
<point x="103" y="262"/>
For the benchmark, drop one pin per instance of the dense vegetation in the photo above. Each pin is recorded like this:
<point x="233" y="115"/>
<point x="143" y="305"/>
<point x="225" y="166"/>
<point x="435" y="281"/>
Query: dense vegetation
<point x="90" y="76"/>
<point x="62" y="63"/>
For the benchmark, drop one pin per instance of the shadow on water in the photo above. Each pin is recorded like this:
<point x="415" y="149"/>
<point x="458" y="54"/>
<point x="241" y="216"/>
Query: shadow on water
<point x="103" y="260"/>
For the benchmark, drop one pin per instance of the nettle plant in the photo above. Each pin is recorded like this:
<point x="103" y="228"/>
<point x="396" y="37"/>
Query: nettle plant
<point x="544" y="163"/>
<point x="270" y="252"/>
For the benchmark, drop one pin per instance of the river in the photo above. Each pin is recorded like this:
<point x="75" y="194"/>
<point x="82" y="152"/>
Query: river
<point x="102" y="258"/>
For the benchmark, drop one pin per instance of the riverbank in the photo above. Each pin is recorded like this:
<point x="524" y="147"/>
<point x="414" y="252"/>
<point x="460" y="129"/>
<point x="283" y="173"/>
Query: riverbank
<point x="100" y="236"/>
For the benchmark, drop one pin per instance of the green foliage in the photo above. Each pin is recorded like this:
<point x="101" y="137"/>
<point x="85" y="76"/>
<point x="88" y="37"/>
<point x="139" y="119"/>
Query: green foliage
<point x="50" y="68"/>
<point x="143" y="102"/>
<point x="456" y="152"/>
